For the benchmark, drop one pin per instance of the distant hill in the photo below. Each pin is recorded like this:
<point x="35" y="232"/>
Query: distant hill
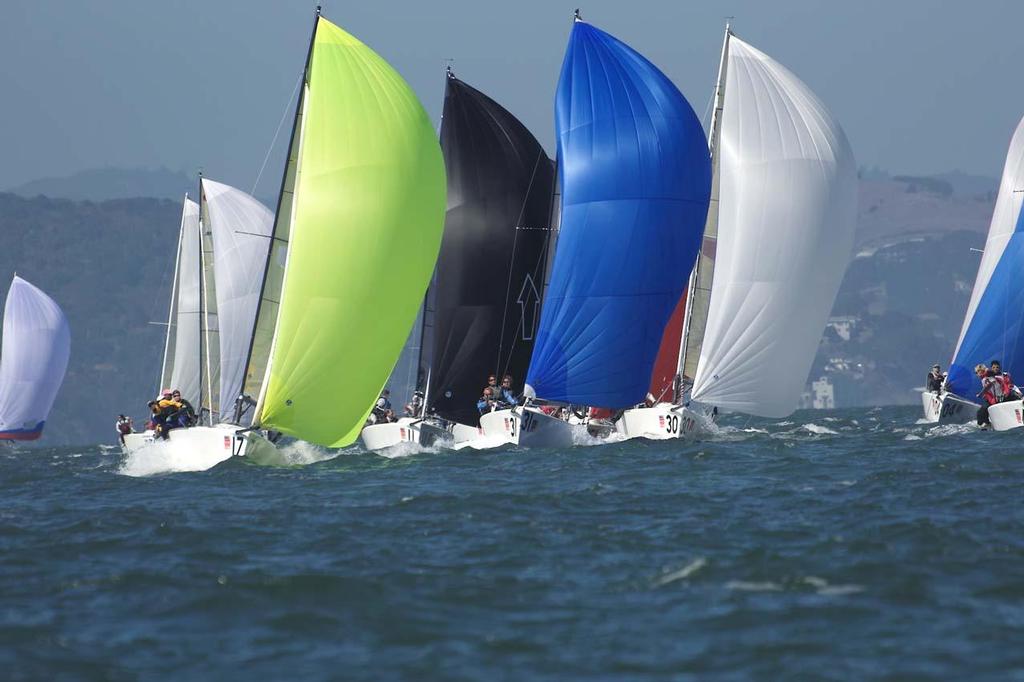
<point x="895" y="209"/>
<point x="109" y="265"/>
<point x="103" y="184"/>
<point x="901" y="307"/>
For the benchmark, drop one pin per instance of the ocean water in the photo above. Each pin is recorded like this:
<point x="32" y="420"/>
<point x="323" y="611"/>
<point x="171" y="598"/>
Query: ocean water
<point x="854" y="544"/>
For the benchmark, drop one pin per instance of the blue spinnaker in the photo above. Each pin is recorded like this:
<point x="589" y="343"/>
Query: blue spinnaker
<point x="996" y="329"/>
<point x="636" y="179"/>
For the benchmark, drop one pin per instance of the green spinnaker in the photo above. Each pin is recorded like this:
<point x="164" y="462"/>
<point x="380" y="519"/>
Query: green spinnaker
<point x="368" y="216"/>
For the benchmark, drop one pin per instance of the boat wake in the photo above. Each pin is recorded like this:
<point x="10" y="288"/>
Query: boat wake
<point x="407" y="449"/>
<point x="159" y="458"/>
<point x="301" y="453"/>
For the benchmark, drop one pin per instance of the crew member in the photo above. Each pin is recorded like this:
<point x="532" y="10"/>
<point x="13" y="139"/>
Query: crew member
<point x="1010" y="392"/>
<point x="165" y="412"/>
<point x="382" y="409"/>
<point x="124" y="426"/>
<point x="414" y="408"/>
<point x="486" y="402"/>
<point x="186" y="413"/>
<point x="506" y="394"/>
<point x="991" y="393"/>
<point x="935" y="379"/>
<point x="492" y="383"/>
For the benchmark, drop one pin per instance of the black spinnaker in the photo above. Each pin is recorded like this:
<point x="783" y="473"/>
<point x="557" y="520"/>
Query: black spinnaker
<point x="490" y="272"/>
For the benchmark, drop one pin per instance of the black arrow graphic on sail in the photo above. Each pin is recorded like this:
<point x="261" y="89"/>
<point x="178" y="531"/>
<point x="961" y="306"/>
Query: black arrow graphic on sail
<point x="529" y="306"/>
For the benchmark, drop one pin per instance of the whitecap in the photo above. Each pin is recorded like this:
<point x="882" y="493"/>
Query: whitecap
<point x="683" y="573"/>
<point x="820" y="430"/>
<point x="406" y="449"/>
<point x="745" y="586"/>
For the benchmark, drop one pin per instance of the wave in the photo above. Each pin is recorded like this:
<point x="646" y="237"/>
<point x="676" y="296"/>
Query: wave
<point x="159" y="458"/>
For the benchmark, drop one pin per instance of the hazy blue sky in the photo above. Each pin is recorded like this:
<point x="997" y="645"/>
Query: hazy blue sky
<point x="919" y="86"/>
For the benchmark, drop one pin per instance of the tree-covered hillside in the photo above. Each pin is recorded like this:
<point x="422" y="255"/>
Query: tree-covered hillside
<point x="109" y="266"/>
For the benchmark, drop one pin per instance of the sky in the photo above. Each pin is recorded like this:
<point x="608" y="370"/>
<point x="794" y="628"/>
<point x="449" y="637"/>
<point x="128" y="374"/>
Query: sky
<point x="919" y="86"/>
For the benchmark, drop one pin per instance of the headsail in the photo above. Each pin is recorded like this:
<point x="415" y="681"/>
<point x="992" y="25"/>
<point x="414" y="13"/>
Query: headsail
<point x="363" y="230"/>
<point x="33" y="359"/>
<point x="635" y="177"/>
<point x="182" y="353"/>
<point x="240" y="228"/>
<point x="786" y="221"/>
<point x="491" y="267"/>
<point x="992" y="327"/>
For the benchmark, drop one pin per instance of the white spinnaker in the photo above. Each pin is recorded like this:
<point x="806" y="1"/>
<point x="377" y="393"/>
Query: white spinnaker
<point x="33" y="359"/>
<point x="185" y="367"/>
<point x="1004" y="221"/>
<point x="787" y="215"/>
<point x="241" y="228"/>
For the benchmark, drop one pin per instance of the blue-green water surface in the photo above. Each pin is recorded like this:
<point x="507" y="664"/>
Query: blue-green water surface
<point x="854" y="544"/>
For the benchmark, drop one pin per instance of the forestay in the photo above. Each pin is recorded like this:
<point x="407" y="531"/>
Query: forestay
<point x="33" y="359"/>
<point x="364" y="229"/>
<point x="240" y="227"/>
<point x="787" y="214"/>
<point x="992" y="326"/>
<point x="635" y="177"/>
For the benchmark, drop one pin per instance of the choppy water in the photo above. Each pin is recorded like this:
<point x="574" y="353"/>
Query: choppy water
<point x="847" y="545"/>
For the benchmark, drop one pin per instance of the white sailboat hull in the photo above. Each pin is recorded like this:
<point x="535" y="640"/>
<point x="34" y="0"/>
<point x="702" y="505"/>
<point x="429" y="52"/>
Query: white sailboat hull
<point x="406" y="430"/>
<point x="1006" y="416"/>
<point x="527" y="426"/>
<point x="946" y="408"/>
<point x="196" y="448"/>
<point x="665" y="421"/>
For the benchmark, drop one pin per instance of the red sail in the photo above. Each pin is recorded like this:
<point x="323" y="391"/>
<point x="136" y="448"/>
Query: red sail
<point x="668" y="354"/>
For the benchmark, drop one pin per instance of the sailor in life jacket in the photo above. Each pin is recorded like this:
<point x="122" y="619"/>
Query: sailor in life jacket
<point x="414" y="408"/>
<point x="991" y="387"/>
<point x="1010" y="392"/>
<point x="991" y="393"/>
<point x="381" y="413"/>
<point x="935" y="379"/>
<point x="124" y="426"/>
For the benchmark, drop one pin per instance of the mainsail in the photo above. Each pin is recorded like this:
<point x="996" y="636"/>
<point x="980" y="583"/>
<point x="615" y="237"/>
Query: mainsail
<point x="491" y="266"/>
<point x="181" y="369"/>
<point x="992" y="326"/>
<point x="785" y="230"/>
<point x="698" y="291"/>
<point x="240" y="229"/>
<point x="209" y="325"/>
<point x="635" y="177"/>
<point x="33" y="358"/>
<point x="359" y="223"/>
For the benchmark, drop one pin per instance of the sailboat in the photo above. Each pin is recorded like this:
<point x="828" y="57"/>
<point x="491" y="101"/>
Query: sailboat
<point x="358" y="223"/>
<point x="775" y="248"/>
<point x="222" y="248"/>
<point x="33" y="358"/>
<point x="992" y="328"/>
<point x="483" y="303"/>
<point x="635" y="180"/>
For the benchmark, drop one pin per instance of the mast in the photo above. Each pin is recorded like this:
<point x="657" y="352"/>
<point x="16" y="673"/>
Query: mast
<point x="428" y="300"/>
<point x="205" y="364"/>
<point x="174" y="295"/>
<point x="701" y="276"/>
<point x="294" y="147"/>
